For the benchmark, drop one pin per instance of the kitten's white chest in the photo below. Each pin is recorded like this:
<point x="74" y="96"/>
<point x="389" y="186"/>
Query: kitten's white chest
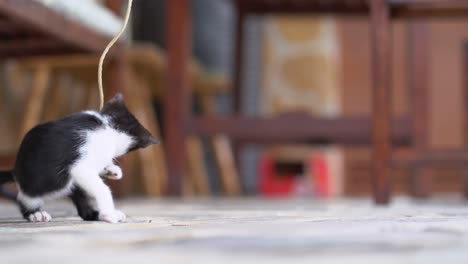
<point x="105" y="144"/>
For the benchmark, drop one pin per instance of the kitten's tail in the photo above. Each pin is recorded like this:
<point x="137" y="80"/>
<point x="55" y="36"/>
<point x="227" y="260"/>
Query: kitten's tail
<point x="6" y="177"/>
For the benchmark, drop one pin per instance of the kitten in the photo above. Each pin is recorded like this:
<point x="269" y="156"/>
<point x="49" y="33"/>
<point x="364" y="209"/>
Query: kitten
<point x="69" y="156"/>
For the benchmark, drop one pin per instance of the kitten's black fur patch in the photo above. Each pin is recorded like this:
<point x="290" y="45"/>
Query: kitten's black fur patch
<point x="48" y="151"/>
<point x="6" y="177"/>
<point x="83" y="205"/>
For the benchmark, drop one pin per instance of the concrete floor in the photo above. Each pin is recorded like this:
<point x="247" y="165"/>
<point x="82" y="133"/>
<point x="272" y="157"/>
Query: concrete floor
<point x="244" y="231"/>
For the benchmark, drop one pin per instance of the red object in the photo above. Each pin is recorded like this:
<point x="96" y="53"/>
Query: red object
<point x="322" y="174"/>
<point x="285" y="185"/>
<point x="272" y="184"/>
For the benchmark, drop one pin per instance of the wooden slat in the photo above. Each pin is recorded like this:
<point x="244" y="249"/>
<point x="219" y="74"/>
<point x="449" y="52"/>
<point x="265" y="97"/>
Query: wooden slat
<point x="351" y="131"/>
<point x="28" y="46"/>
<point x="413" y="158"/>
<point x="314" y="6"/>
<point x="429" y="8"/>
<point x="61" y="61"/>
<point x="399" y="8"/>
<point x="35" y="101"/>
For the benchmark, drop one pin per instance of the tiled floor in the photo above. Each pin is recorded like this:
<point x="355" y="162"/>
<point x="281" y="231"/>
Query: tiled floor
<point x="244" y="231"/>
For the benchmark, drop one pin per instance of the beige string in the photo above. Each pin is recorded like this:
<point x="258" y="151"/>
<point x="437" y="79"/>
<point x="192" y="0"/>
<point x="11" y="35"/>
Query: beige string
<point x="104" y="53"/>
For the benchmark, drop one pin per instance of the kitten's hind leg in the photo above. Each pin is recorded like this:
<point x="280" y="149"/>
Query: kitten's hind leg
<point x="30" y="208"/>
<point x="84" y="204"/>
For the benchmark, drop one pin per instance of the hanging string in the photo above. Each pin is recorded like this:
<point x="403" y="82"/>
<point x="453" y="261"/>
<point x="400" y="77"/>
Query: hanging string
<point x="104" y="53"/>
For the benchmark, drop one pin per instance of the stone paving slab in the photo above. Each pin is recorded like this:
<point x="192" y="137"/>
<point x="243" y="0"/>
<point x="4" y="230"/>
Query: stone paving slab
<point x="244" y="231"/>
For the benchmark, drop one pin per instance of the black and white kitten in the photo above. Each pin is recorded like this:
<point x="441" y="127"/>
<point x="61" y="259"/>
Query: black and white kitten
<point x="69" y="156"/>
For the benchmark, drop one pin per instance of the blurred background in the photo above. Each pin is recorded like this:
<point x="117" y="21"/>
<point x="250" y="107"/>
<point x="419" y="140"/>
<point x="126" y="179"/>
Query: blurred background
<point x="286" y="66"/>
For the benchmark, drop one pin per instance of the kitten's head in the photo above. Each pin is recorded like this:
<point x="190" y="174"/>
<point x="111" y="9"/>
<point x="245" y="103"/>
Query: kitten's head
<point x="121" y="119"/>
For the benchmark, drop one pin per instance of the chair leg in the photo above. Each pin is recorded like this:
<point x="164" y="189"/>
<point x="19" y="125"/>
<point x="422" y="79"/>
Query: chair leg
<point x="381" y="78"/>
<point x="152" y="160"/>
<point x="420" y="178"/>
<point x="224" y="154"/>
<point x="196" y="163"/>
<point x="226" y="163"/>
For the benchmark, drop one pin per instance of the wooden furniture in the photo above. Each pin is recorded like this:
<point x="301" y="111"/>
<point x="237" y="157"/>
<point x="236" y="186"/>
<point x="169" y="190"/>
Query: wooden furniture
<point x="381" y="132"/>
<point x="29" y="28"/>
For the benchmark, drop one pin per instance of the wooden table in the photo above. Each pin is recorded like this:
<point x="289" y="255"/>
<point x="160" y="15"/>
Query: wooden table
<point x="380" y="132"/>
<point x="30" y="28"/>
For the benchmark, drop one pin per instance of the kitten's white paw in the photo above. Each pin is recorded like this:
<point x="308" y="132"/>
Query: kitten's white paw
<point x="39" y="216"/>
<point x="112" y="172"/>
<point x="113" y="217"/>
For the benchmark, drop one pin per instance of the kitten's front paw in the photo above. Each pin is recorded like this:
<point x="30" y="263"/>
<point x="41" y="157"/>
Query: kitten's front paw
<point x="112" y="172"/>
<point x="113" y="217"/>
<point x="39" y="216"/>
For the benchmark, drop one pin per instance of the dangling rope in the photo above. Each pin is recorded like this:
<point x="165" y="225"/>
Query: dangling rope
<point x="104" y="53"/>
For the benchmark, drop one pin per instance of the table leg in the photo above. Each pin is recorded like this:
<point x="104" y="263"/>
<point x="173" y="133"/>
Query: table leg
<point x="177" y="101"/>
<point x="381" y="79"/>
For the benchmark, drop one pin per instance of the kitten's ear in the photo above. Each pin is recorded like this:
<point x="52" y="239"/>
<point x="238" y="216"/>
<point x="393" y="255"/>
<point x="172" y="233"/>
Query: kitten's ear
<point x="118" y="98"/>
<point x="114" y="105"/>
<point x="152" y="140"/>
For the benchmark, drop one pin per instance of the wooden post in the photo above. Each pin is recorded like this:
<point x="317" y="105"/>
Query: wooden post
<point x="420" y="178"/>
<point x="381" y="78"/>
<point x="177" y="101"/>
